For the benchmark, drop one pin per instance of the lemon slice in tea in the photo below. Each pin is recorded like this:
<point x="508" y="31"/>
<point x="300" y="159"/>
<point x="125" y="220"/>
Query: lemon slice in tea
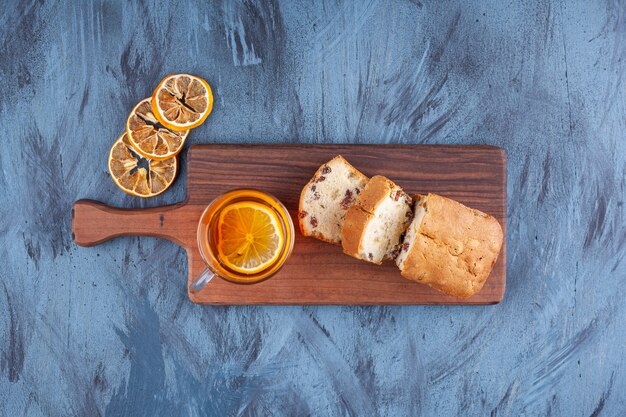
<point x="250" y="238"/>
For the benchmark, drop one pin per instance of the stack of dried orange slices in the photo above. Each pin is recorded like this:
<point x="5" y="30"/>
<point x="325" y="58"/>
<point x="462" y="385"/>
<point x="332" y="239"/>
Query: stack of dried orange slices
<point x="156" y="130"/>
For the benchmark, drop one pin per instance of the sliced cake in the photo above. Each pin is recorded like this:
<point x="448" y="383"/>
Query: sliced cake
<point x="325" y="200"/>
<point x="449" y="246"/>
<point x="374" y="224"/>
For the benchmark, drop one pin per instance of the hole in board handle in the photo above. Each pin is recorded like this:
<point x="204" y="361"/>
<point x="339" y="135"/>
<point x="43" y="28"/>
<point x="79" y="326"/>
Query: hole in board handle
<point x="73" y="235"/>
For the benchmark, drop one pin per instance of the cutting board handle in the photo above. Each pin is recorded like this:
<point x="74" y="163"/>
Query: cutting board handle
<point x="94" y="223"/>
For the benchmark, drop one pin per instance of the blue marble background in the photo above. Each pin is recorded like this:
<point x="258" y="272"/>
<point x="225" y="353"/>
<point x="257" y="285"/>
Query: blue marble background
<point x="109" y="331"/>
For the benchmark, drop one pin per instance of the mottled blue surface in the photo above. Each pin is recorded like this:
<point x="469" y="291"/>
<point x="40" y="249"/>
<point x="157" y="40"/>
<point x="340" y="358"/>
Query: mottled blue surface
<point x="109" y="330"/>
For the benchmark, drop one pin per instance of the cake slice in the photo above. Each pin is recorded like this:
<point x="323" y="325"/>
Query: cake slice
<point x="325" y="200"/>
<point x="375" y="223"/>
<point x="449" y="246"/>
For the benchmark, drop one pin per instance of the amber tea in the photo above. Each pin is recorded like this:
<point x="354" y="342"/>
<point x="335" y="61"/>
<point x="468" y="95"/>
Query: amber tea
<point x="244" y="236"/>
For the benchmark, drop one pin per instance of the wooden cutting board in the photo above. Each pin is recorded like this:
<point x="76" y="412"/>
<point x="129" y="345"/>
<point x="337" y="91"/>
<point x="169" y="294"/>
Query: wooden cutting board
<point x="317" y="272"/>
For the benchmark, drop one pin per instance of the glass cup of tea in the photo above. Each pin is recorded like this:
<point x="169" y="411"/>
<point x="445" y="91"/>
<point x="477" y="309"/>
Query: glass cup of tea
<point x="244" y="236"/>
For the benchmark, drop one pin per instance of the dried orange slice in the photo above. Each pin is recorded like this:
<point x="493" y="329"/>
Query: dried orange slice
<point x="182" y="101"/>
<point x="250" y="239"/>
<point x="133" y="179"/>
<point x="149" y="137"/>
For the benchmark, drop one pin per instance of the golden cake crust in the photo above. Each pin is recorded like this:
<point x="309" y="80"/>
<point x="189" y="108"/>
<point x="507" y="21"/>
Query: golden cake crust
<point x="455" y="248"/>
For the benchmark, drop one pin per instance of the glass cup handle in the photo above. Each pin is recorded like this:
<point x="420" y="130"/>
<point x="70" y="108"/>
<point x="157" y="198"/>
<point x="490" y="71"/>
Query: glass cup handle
<point x="199" y="283"/>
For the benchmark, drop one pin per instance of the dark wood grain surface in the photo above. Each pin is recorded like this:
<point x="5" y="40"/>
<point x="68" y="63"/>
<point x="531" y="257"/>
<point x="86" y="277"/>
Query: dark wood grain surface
<point x="316" y="272"/>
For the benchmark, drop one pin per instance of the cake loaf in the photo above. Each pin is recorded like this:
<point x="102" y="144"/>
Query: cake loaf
<point x="449" y="246"/>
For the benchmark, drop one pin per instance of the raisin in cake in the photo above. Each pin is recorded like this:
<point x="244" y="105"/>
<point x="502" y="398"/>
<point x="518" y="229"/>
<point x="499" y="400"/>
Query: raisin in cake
<point x="376" y="222"/>
<point x="449" y="246"/>
<point x="326" y="198"/>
